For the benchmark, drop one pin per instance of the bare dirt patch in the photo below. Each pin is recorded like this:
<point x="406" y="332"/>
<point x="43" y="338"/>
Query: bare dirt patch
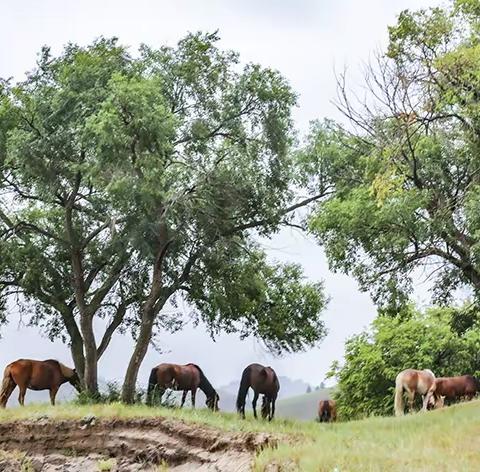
<point x="135" y="444"/>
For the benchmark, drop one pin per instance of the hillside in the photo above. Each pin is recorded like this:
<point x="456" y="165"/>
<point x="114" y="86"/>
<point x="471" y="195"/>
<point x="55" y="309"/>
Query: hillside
<point x="302" y="407"/>
<point x="138" y="438"/>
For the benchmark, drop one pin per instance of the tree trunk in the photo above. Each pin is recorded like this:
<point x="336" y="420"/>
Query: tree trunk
<point x="90" y="371"/>
<point x="141" y="346"/>
<point x="76" y="348"/>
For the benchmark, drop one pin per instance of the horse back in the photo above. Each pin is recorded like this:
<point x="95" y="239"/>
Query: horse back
<point x="178" y="377"/>
<point x="36" y="375"/>
<point x="452" y="387"/>
<point x="264" y="380"/>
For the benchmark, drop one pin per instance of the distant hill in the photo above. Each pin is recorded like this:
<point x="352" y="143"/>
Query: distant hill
<point x="288" y="387"/>
<point x="302" y="407"/>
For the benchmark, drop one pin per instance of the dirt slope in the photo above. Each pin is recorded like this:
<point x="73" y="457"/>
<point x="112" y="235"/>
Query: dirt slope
<point x="136" y="444"/>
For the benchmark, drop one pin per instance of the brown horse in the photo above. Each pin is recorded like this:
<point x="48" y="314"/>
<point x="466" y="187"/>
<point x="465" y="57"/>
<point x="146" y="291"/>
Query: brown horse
<point x="413" y="381"/>
<point x="263" y="380"/>
<point x="36" y="375"/>
<point x="454" y="388"/>
<point x="327" y="411"/>
<point x="181" y="377"/>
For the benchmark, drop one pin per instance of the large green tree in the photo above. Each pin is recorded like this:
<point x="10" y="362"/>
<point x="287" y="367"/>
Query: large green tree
<point x="404" y="173"/>
<point x="435" y="339"/>
<point x="131" y="181"/>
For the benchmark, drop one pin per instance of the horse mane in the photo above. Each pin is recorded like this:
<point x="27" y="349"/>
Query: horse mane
<point x="67" y="372"/>
<point x="205" y="385"/>
<point x="429" y="371"/>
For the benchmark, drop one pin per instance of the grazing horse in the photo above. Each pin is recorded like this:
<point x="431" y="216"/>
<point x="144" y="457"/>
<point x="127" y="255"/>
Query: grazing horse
<point x="263" y="380"/>
<point x="181" y="377"/>
<point x="413" y="381"/>
<point x="453" y="388"/>
<point x="36" y="375"/>
<point x="327" y="411"/>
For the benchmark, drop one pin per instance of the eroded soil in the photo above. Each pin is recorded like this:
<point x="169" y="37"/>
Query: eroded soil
<point x="126" y="445"/>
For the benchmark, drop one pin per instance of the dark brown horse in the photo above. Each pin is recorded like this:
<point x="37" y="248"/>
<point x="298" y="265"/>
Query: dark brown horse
<point x="327" y="411"/>
<point x="36" y="375"/>
<point x="263" y="380"/>
<point x="181" y="377"/>
<point x="454" y="388"/>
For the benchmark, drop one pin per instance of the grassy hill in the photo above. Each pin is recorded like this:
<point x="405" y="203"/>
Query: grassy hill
<point x="442" y="440"/>
<point x="302" y="407"/>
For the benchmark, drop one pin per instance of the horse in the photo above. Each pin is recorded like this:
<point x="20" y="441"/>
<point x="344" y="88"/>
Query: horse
<point x="327" y="411"/>
<point x="413" y="381"/>
<point x="187" y="377"/>
<point x="36" y="375"/>
<point x="453" y="388"/>
<point x="263" y="380"/>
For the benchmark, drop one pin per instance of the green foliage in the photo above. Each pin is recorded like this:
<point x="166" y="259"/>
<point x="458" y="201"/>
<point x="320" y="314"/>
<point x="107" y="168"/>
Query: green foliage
<point x="131" y="180"/>
<point x="373" y="358"/>
<point x="403" y="182"/>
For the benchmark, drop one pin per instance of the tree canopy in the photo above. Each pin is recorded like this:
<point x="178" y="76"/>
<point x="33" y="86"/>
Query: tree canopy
<point x="404" y="174"/>
<point x="131" y="180"/>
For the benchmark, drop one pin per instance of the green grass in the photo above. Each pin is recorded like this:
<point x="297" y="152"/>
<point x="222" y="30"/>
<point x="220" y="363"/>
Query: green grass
<point x="442" y="440"/>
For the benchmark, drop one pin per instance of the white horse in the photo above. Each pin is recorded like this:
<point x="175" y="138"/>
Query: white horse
<point x="413" y="381"/>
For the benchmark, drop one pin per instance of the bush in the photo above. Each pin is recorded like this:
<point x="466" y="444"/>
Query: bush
<point x="428" y="340"/>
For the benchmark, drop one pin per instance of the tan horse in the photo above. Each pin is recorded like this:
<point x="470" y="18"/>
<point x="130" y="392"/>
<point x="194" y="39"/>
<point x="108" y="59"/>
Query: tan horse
<point x="36" y="375"/>
<point x="327" y="411"/>
<point x="413" y="381"/>
<point x="181" y="377"/>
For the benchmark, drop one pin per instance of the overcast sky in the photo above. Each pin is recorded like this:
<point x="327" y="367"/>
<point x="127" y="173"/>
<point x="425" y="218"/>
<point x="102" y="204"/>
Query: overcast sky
<point x="306" y="41"/>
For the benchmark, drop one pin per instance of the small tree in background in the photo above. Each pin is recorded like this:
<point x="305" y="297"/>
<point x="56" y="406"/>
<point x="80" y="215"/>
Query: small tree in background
<point x="429" y="340"/>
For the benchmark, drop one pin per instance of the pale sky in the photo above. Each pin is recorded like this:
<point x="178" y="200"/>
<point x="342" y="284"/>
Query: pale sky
<point x="306" y="41"/>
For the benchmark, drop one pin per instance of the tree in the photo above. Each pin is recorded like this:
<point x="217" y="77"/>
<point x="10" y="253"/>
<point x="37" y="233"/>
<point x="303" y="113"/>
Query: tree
<point x="131" y="182"/>
<point x="309" y="389"/>
<point x="428" y="340"/>
<point x="405" y="174"/>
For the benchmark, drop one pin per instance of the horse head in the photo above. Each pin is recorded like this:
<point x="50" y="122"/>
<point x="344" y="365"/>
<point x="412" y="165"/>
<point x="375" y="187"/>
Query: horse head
<point x="75" y="381"/>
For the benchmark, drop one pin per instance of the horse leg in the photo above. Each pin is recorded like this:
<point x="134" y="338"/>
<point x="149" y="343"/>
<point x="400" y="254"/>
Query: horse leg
<point x="53" y="394"/>
<point x="272" y="413"/>
<point x="426" y="400"/>
<point x="184" y="397"/>
<point x="411" y="398"/>
<point x="194" y="393"/>
<point x="254" y="404"/>
<point x="21" y="394"/>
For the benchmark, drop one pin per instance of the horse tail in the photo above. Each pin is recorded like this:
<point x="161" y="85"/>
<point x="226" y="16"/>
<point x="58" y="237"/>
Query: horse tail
<point x="152" y="383"/>
<point x="8" y="384"/>
<point x="243" y="389"/>
<point x="399" y="406"/>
